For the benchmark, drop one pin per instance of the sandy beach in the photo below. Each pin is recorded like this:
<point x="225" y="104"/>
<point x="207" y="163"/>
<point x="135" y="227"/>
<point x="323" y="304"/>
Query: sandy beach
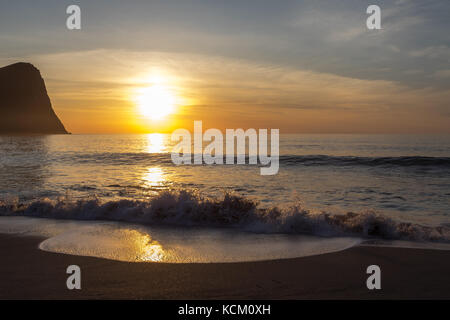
<point x="29" y="273"/>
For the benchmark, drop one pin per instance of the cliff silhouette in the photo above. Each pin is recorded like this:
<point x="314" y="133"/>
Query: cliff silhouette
<point x="25" y="107"/>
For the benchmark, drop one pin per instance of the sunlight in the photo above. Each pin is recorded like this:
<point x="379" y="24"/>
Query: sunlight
<point x="154" y="177"/>
<point x="155" y="143"/>
<point x="156" y="102"/>
<point x="150" y="250"/>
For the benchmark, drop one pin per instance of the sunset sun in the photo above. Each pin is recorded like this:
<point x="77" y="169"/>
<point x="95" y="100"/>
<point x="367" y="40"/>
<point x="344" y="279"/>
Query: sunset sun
<point x="156" y="102"/>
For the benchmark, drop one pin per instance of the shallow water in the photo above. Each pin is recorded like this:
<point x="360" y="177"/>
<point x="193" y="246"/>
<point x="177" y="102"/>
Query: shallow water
<point x="128" y="242"/>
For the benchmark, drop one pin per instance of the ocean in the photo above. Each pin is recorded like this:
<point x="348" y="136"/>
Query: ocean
<point x="332" y="191"/>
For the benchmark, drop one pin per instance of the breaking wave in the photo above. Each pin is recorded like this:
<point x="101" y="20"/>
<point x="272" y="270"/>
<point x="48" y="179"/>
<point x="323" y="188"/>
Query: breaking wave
<point x="405" y="161"/>
<point x="306" y="160"/>
<point x="190" y="208"/>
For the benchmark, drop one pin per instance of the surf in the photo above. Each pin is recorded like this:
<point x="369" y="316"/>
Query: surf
<point x="189" y="208"/>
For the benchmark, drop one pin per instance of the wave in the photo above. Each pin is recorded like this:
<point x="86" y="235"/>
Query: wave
<point x="404" y="161"/>
<point x="306" y="160"/>
<point x="190" y="208"/>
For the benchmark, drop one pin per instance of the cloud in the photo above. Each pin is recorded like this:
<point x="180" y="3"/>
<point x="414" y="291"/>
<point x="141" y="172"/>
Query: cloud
<point x="433" y="52"/>
<point x="326" y="37"/>
<point x="442" y="73"/>
<point x="220" y="81"/>
<point x="290" y="56"/>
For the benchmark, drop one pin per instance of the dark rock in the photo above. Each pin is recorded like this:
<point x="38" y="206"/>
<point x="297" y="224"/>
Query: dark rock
<point x="25" y="107"/>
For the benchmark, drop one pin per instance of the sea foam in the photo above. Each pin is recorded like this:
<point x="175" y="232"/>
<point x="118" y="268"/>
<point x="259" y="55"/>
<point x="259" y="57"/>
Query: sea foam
<point x="190" y="208"/>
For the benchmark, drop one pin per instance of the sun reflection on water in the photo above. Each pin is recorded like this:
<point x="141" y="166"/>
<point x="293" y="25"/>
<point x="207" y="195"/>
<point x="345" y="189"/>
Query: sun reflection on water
<point x="155" y="143"/>
<point x="150" y="250"/>
<point x="154" y="177"/>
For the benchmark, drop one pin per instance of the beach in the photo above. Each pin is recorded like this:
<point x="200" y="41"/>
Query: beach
<point x="225" y="150"/>
<point x="29" y="273"/>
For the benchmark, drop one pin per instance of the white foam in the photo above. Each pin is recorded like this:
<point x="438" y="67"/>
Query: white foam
<point x="187" y="208"/>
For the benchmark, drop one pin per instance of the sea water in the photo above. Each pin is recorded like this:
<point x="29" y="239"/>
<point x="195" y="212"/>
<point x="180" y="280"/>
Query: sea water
<point x="331" y="191"/>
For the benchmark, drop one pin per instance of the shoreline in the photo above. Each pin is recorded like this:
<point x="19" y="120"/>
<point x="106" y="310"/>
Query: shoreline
<point x="26" y="272"/>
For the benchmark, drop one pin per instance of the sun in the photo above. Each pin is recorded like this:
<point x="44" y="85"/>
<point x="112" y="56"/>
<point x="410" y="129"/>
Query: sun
<point x="156" y="101"/>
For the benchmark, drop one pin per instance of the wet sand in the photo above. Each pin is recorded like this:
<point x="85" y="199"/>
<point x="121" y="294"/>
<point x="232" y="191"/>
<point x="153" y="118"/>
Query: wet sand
<point x="29" y="273"/>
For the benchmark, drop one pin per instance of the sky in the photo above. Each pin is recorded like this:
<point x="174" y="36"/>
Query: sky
<point x="300" y="66"/>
